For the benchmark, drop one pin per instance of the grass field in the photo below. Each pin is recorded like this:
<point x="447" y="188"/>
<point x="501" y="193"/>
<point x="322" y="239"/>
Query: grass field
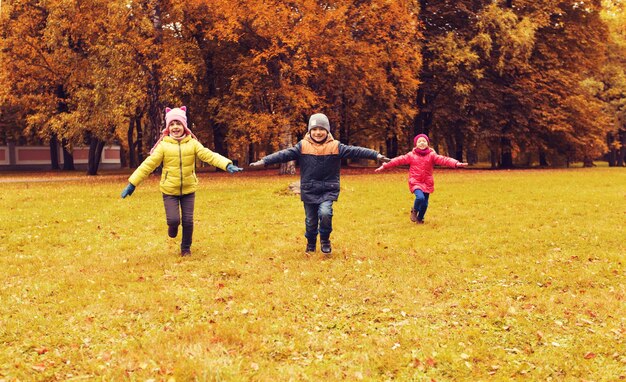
<point x="516" y="275"/>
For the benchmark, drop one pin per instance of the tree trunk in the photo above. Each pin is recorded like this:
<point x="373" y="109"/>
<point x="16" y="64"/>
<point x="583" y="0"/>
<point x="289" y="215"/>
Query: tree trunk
<point x="288" y="168"/>
<point x="139" y="143"/>
<point x="251" y="157"/>
<point x="543" y="160"/>
<point x="344" y="134"/>
<point x="219" y="130"/>
<point x="54" y="152"/>
<point x="68" y="158"/>
<point x="621" y="156"/>
<point x="507" y="154"/>
<point x="219" y="138"/>
<point x="611" y="156"/>
<point x="493" y="155"/>
<point x="472" y="152"/>
<point x="460" y="140"/>
<point x="95" y="153"/>
<point x="588" y="162"/>
<point x="131" y="144"/>
<point x="450" y="144"/>
<point x="155" y="108"/>
<point x="423" y="120"/>
<point x="391" y="146"/>
<point x="506" y="148"/>
<point x="123" y="161"/>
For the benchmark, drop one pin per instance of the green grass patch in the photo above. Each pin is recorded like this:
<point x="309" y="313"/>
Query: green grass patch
<point x="515" y="275"/>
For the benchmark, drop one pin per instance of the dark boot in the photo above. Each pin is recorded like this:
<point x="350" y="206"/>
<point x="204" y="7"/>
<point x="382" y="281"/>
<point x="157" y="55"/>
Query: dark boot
<point x="325" y="246"/>
<point x="413" y="215"/>
<point x="310" y="246"/>
<point x="172" y="230"/>
<point x="185" y="245"/>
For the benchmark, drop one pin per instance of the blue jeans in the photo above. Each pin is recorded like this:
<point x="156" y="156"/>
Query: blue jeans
<point x="421" y="203"/>
<point x="318" y="218"/>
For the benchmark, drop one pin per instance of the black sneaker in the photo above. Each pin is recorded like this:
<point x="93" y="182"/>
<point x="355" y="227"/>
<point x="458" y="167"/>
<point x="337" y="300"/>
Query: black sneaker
<point x="420" y="221"/>
<point x="172" y="230"/>
<point x="325" y="246"/>
<point x="310" y="247"/>
<point x="185" y="252"/>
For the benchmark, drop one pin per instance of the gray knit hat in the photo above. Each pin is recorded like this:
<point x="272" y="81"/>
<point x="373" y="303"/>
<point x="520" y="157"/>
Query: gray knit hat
<point x="319" y="120"/>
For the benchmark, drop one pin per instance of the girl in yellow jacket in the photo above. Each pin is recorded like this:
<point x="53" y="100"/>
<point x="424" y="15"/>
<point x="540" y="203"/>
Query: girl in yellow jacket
<point x="177" y="149"/>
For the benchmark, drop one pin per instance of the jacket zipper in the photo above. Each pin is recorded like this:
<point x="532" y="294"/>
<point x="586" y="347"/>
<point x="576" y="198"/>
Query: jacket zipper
<point x="180" y="157"/>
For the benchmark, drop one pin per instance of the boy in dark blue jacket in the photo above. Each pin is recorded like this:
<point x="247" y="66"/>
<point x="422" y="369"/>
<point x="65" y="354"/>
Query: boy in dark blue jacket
<point x="320" y="161"/>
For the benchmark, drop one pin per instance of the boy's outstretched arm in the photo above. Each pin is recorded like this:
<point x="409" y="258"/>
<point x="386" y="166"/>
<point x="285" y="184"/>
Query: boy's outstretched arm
<point x="347" y="151"/>
<point x="397" y="161"/>
<point x="258" y="163"/>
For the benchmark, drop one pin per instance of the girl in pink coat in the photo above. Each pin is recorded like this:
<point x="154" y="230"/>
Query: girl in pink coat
<point x="421" y="160"/>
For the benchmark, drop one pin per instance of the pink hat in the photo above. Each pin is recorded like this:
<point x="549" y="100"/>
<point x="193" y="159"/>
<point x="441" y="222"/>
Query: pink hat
<point x="176" y="114"/>
<point x="420" y="136"/>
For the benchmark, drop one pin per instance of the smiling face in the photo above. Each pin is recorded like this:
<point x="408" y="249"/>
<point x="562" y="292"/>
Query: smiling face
<point x="421" y="143"/>
<point x="319" y="134"/>
<point x="177" y="129"/>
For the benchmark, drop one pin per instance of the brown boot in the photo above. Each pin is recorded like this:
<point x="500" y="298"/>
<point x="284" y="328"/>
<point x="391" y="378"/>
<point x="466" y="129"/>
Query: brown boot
<point x="413" y="215"/>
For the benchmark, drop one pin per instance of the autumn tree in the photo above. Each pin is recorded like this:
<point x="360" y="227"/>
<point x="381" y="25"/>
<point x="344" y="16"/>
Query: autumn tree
<point x="610" y="84"/>
<point x="40" y="64"/>
<point x="512" y="76"/>
<point x="370" y="60"/>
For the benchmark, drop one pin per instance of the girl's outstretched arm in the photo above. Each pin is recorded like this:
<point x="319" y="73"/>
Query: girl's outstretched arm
<point x="146" y="167"/>
<point x="443" y="160"/>
<point x="210" y="157"/>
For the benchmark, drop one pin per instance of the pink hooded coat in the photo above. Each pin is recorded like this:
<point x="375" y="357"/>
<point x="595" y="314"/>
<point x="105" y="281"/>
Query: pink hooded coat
<point x="421" y="168"/>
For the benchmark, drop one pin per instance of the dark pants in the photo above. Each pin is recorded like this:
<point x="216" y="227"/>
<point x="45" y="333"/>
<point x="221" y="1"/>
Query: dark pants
<point x="318" y="218"/>
<point x="174" y="205"/>
<point x="421" y="203"/>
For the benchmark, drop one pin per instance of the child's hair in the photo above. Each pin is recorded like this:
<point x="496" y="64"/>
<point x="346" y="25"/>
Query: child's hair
<point x="176" y="114"/>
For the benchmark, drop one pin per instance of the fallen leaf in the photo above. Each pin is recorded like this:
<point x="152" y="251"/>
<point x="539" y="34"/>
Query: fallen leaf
<point x="41" y="350"/>
<point x="39" y="367"/>
<point x="590" y="355"/>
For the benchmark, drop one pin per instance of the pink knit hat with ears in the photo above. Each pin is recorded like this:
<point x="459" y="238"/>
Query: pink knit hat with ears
<point x="420" y="136"/>
<point x="175" y="114"/>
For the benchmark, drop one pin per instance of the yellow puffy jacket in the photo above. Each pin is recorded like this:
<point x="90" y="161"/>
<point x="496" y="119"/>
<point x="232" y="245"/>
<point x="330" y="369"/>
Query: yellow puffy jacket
<point x="179" y="165"/>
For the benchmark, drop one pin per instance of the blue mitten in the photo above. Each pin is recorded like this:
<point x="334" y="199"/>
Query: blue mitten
<point x="232" y="168"/>
<point x="128" y="191"/>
